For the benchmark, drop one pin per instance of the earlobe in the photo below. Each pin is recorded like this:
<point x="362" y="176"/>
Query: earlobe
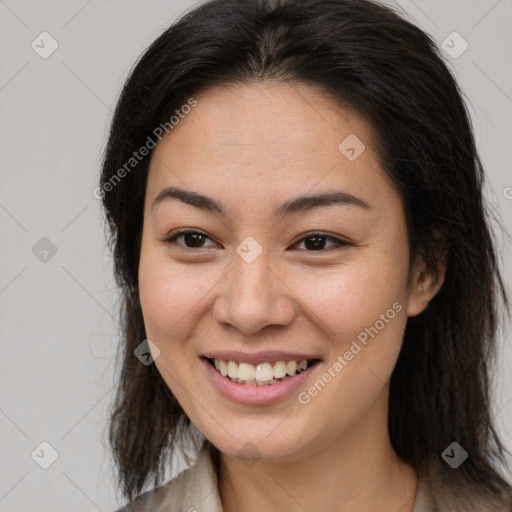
<point x="424" y="286"/>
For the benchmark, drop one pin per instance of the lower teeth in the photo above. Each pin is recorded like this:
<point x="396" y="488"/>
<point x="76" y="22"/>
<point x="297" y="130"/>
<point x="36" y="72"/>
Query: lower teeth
<point x="263" y="383"/>
<point x="256" y="382"/>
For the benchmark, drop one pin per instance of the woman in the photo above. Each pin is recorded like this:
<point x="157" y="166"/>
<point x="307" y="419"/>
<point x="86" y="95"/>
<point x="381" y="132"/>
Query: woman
<point x="310" y="284"/>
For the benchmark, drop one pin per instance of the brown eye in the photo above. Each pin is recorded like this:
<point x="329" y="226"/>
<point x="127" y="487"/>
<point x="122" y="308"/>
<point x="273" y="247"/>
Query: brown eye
<point x="319" y="242"/>
<point x="190" y="240"/>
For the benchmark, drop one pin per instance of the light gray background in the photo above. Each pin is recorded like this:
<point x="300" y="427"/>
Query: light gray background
<point x="57" y="318"/>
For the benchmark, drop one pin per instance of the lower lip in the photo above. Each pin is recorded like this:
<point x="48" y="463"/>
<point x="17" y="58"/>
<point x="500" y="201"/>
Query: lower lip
<point x="256" y="395"/>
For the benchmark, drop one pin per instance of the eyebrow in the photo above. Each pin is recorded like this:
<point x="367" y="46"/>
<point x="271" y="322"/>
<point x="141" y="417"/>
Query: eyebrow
<point x="295" y="205"/>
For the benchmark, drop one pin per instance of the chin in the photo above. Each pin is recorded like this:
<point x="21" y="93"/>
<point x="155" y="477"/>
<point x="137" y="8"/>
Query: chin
<point x="258" y="443"/>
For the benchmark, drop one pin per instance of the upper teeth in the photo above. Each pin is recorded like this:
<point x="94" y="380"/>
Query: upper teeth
<point x="261" y="372"/>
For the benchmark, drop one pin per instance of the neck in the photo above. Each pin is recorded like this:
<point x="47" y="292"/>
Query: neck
<point x="359" y="472"/>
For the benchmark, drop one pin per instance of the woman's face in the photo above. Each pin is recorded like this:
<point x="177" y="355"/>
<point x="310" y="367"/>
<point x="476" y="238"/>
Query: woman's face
<point x="302" y="254"/>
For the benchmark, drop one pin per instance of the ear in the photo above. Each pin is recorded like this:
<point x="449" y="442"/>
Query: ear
<point x="424" y="285"/>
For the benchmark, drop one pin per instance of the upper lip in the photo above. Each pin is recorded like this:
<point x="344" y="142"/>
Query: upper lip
<point x="256" y="358"/>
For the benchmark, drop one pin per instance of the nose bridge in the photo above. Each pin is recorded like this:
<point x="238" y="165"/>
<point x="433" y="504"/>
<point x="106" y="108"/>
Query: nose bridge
<point x="251" y="278"/>
<point x="252" y="297"/>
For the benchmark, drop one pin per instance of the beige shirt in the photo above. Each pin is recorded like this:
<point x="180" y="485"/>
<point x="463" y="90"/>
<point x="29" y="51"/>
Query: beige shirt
<point x="195" y="490"/>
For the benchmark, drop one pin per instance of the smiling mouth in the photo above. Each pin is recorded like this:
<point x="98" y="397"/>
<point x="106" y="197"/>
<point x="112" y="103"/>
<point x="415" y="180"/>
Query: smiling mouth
<point x="263" y="374"/>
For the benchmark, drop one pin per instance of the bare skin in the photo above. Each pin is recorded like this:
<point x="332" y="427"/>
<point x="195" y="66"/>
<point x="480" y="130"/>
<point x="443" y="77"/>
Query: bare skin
<point x="251" y="148"/>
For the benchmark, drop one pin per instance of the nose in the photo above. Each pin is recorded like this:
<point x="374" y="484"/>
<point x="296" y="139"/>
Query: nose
<point x="253" y="296"/>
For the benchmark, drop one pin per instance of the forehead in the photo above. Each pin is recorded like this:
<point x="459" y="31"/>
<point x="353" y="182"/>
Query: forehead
<point x="268" y="139"/>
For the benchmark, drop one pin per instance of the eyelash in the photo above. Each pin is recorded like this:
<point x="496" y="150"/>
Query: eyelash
<point x="339" y="244"/>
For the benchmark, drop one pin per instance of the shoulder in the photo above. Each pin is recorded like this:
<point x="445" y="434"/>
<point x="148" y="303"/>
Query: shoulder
<point x="193" y="489"/>
<point x="437" y="493"/>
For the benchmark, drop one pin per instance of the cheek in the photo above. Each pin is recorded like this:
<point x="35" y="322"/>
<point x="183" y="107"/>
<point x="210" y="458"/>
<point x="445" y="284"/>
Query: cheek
<point x="351" y="297"/>
<point x="361" y="308"/>
<point x="172" y="299"/>
<point x="171" y="294"/>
